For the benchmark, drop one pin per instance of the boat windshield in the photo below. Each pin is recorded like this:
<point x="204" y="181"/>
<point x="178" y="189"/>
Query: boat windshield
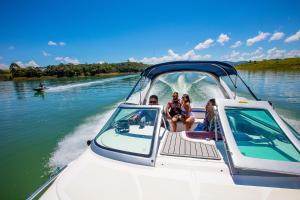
<point x="129" y="130"/>
<point x="258" y="135"/>
<point x="200" y="86"/>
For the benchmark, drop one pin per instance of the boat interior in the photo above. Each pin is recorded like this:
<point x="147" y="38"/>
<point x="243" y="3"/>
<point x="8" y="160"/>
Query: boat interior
<point x="250" y="129"/>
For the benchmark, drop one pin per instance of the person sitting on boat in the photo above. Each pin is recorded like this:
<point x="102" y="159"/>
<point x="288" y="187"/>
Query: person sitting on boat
<point x="148" y="114"/>
<point x="173" y="111"/>
<point x="187" y="116"/>
<point x="41" y="85"/>
<point x="210" y="123"/>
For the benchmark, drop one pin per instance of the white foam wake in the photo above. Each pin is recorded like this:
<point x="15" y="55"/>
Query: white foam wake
<point x="86" y="84"/>
<point x="74" y="144"/>
<point x="182" y="84"/>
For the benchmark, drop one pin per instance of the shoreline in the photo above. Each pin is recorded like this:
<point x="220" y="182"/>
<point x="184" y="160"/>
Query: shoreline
<point x="242" y="69"/>
<point x="42" y="78"/>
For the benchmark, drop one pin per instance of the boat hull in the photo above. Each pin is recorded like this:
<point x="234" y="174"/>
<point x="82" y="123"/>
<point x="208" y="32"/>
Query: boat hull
<point x="94" y="177"/>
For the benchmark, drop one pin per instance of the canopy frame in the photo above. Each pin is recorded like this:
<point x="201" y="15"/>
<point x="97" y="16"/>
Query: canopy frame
<point x="216" y="68"/>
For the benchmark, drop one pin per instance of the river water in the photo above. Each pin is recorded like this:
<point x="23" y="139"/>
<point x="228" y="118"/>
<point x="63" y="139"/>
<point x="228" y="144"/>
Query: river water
<point x="40" y="132"/>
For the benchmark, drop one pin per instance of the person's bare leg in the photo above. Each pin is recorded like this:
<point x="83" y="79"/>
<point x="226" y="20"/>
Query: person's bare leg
<point x="174" y="123"/>
<point x="189" y="123"/>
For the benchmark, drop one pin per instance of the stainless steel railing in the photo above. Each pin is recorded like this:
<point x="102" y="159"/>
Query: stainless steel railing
<point x="46" y="184"/>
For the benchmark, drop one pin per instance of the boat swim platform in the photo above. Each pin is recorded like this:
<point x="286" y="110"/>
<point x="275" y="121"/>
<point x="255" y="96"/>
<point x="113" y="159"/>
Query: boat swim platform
<point x="176" y="145"/>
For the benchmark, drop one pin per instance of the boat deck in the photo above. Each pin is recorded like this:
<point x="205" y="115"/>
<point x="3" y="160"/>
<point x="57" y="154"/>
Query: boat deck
<point x="176" y="145"/>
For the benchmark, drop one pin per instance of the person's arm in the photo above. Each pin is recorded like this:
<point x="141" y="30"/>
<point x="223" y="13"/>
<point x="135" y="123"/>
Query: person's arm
<point x="205" y="125"/>
<point x="188" y="107"/>
<point x="167" y="111"/>
<point x="138" y="116"/>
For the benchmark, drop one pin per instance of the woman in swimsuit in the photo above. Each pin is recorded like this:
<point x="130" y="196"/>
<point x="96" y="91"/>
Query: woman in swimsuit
<point x="186" y="112"/>
<point x="210" y="123"/>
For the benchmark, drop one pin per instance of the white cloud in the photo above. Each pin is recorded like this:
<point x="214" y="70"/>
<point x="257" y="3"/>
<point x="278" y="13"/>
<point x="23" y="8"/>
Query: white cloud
<point x="11" y="47"/>
<point x="62" y="43"/>
<point x="277" y="36"/>
<point x="204" y="45"/>
<point x="172" y="56"/>
<point x="242" y="56"/>
<point x="31" y="63"/>
<point x="258" y="54"/>
<point x="51" y="43"/>
<point x="260" y="37"/>
<point x="293" y="38"/>
<point x="3" y="66"/>
<point x="100" y="62"/>
<point x="46" y="54"/>
<point x="236" y="44"/>
<point x="223" y="38"/>
<point x="293" y="54"/>
<point x="275" y="53"/>
<point x="67" y="59"/>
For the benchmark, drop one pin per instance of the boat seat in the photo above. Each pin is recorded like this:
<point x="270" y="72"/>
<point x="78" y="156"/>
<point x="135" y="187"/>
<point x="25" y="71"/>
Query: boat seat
<point x="203" y="135"/>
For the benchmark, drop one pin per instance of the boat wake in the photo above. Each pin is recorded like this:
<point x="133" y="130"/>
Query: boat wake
<point x="74" y="143"/>
<point x="86" y="84"/>
<point x="198" y="86"/>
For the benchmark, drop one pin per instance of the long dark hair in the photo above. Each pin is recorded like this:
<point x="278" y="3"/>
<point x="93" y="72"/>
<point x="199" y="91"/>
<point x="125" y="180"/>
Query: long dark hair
<point x="212" y="101"/>
<point x="187" y="98"/>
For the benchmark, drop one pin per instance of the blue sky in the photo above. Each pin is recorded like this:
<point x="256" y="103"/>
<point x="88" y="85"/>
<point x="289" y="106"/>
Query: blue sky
<point x="35" y="32"/>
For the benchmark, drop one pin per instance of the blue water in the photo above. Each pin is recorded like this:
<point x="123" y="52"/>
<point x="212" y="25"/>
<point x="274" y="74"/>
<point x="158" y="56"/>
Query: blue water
<point x="282" y="89"/>
<point x="42" y="131"/>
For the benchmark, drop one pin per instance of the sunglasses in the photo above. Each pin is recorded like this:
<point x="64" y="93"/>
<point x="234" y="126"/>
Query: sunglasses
<point x="153" y="102"/>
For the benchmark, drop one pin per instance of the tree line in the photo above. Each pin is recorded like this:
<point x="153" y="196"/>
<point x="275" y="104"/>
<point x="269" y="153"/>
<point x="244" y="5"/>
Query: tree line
<point x="288" y="64"/>
<point x="71" y="70"/>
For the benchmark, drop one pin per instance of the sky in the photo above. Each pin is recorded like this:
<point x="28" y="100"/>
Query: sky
<point x="47" y="32"/>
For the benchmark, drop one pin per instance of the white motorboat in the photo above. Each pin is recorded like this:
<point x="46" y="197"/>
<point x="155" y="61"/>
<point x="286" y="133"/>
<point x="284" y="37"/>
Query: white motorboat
<point x="254" y="155"/>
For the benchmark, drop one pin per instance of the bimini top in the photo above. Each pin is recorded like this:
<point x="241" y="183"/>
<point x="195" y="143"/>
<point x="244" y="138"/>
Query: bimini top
<point x="214" y="67"/>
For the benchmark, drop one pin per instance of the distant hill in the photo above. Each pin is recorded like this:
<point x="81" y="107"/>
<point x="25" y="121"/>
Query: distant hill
<point x="289" y="64"/>
<point x="69" y="70"/>
<point x="236" y="63"/>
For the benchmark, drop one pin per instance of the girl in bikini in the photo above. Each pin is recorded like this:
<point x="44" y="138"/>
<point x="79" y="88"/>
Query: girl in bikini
<point x="187" y="116"/>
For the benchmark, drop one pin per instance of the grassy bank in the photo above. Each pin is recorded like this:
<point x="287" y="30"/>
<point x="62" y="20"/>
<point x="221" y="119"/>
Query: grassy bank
<point x="5" y="75"/>
<point x="284" y="65"/>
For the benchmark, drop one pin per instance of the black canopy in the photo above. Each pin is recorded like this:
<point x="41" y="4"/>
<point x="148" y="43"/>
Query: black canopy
<point x="214" y="67"/>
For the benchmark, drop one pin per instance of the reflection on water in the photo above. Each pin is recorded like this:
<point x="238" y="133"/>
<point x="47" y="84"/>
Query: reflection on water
<point x="38" y="127"/>
<point x="19" y="87"/>
<point x="40" y="94"/>
<point x="282" y="89"/>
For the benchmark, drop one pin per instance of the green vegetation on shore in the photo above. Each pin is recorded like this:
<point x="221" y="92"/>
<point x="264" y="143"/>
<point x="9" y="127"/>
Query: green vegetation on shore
<point x="5" y="75"/>
<point x="16" y="72"/>
<point x="69" y="70"/>
<point x="284" y="65"/>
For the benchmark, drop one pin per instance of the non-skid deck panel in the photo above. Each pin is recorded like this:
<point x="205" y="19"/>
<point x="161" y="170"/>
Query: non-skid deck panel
<point x="175" y="145"/>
